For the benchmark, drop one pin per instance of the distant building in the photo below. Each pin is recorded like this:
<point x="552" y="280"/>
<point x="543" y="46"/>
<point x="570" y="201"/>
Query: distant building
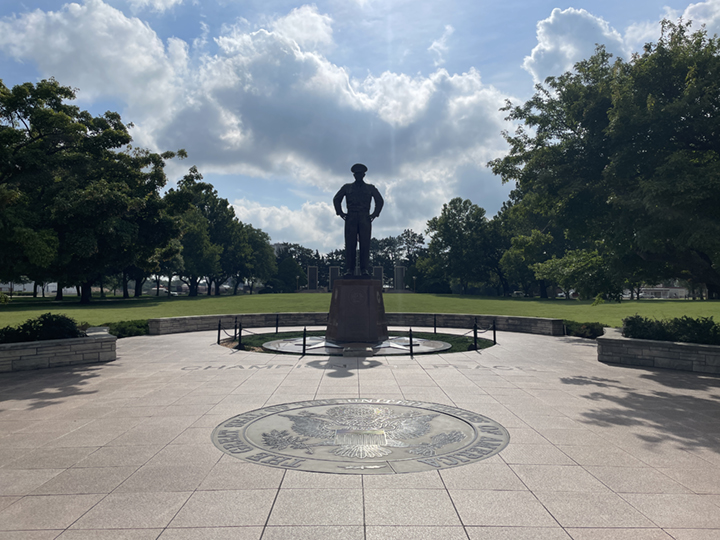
<point x="50" y="288"/>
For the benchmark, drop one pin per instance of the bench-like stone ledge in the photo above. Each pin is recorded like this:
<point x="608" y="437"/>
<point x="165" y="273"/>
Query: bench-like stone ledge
<point x="198" y="323"/>
<point x="98" y="346"/>
<point x="614" y="348"/>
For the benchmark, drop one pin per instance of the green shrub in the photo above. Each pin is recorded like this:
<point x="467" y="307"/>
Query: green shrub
<point x="123" y="329"/>
<point x="44" y="327"/>
<point x="4" y="298"/>
<point x="702" y="330"/>
<point x="589" y="330"/>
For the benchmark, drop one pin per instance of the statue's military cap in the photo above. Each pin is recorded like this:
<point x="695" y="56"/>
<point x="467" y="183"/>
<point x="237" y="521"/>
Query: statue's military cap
<point x="358" y="168"/>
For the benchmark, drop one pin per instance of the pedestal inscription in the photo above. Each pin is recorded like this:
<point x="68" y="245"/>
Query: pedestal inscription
<point x="361" y="436"/>
<point x="357" y="312"/>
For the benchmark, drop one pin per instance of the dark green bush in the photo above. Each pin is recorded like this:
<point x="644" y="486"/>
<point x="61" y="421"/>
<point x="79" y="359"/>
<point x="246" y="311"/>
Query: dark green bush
<point x="589" y="330"/>
<point x="44" y="327"/>
<point x="702" y="330"/>
<point x="122" y="329"/>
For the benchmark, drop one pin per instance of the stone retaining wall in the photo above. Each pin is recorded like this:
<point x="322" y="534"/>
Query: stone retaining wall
<point x="528" y="325"/>
<point x="613" y="348"/>
<point x="99" y="346"/>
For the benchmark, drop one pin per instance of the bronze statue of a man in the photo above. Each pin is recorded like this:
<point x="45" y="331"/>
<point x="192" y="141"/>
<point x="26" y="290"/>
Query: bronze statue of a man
<point x="358" y="218"/>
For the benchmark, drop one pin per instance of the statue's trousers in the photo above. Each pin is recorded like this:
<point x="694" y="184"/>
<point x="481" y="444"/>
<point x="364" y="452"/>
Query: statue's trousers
<point x="357" y="227"/>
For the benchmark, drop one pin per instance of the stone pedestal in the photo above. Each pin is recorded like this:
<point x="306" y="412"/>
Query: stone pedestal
<point x="357" y="312"/>
<point x="334" y="274"/>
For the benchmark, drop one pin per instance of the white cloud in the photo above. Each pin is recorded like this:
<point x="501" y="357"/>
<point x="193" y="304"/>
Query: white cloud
<point x="267" y="103"/>
<point x="707" y="13"/>
<point x="306" y="27"/>
<point x="566" y="37"/>
<point x="314" y="224"/>
<point x="155" y="5"/>
<point x="98" y="49"/>
<point x="439" y="47"/>
<point x="570" y="35"/>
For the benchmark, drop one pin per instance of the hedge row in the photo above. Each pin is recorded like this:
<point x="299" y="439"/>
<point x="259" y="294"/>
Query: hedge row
<point x="44" y="327"/>
<point x="702" y="330"/>
<point x="49" y="326"/>
<point x="589" y="330"/>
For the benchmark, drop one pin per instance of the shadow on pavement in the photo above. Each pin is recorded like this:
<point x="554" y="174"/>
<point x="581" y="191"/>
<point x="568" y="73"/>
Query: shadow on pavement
<point x="687" y="420"/>
<point x="50" y="387"/>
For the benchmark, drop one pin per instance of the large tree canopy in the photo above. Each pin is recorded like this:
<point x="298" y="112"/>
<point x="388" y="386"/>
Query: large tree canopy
<point x="625" y="155"/>
<point x="74" y="205"/>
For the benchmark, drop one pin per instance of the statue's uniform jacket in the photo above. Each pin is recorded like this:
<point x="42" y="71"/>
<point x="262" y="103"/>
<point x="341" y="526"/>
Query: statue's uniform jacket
<point x="358" y="196"/>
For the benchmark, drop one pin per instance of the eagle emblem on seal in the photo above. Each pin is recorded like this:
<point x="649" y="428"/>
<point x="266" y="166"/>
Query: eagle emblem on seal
<point x="360" y="432"/>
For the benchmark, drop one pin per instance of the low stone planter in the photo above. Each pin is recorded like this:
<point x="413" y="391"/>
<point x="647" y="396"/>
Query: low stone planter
<point x="529" y="325"/>
<point x="614" y="348"/>
<point x="99" y="346"/>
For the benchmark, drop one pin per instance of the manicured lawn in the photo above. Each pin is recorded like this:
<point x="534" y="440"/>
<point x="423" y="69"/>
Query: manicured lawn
<point x="151" y="307"/>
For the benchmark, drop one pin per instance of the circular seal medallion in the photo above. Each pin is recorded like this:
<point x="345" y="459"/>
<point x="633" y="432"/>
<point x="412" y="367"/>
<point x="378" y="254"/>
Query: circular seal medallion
<point x="361" y="436"/>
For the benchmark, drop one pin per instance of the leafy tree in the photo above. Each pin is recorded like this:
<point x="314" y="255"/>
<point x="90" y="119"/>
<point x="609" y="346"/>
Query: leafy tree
<point x="215" y="245"/>
<point x="260" y="265"/>
<point x="459" y="243"/>
<point x="291" y="275"/>
<point x="625" y="155"/>
<point x="386" y="252"/>
<point x="412" y="246"/>
<point x="303" y="256"/>
<point x="200" y="256"/>
<point x="75" y="207"/>
<point x="526" y="251"/>
<point x="585" y="271"/>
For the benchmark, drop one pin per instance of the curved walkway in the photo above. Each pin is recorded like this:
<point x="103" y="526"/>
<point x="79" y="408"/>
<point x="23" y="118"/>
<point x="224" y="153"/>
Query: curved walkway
<point x="123" y="450"/>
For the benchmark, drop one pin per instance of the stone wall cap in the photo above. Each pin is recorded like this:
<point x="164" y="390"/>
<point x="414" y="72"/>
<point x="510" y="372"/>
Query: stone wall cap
<point x="615" y="334"/>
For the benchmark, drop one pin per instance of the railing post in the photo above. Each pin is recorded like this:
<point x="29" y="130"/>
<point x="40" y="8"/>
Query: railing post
<point x="494" y="338"/>
<point x="435" y="324"/>
<point x="475" y="335"/>
<point x="277" y="322"/>
<point x="240" y="336"/>
<point x="235" y="330"/>
<point x="219" y="329"/>
<point x="304" y="339"/>
<point x="411" y="342"/>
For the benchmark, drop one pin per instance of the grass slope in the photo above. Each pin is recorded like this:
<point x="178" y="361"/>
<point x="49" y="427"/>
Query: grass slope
<point x="151" y="307"/>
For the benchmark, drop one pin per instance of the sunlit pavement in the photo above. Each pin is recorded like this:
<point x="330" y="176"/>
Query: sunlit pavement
<point x="123" y="451"/>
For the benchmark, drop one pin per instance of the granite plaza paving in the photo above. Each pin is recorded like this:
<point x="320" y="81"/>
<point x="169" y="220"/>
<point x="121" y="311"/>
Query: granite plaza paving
<point x="123" y="450"/>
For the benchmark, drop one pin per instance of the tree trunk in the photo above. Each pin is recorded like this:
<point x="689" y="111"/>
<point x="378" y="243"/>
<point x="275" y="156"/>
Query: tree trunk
<point x="125" y="279"/>
<point x="543" y="289"/>
<point x="235" y="287"/>
<point x="138" y="287"/>
<point x="217" y="287"/>
<point x="170" y="277"/>
<point x="209" y="286"/>
<point x="58" y="293"/>
<point x="42" y="288"/>
<point x="193" y="287"/>
<point x="713" y="291"/>
<point x="86" y="292"/>
<point x="157" y="285"/>
<point x="35" y="286"/>
<point x="77" y="289"/>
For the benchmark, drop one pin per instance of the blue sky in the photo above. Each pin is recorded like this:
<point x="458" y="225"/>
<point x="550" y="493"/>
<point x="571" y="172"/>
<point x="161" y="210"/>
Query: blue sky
<point x="275" y="100"/>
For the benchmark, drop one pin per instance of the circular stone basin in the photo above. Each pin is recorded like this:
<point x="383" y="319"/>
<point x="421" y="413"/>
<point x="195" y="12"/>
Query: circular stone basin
<point x="319" y="346"/>
<point x="361" y="436"/>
